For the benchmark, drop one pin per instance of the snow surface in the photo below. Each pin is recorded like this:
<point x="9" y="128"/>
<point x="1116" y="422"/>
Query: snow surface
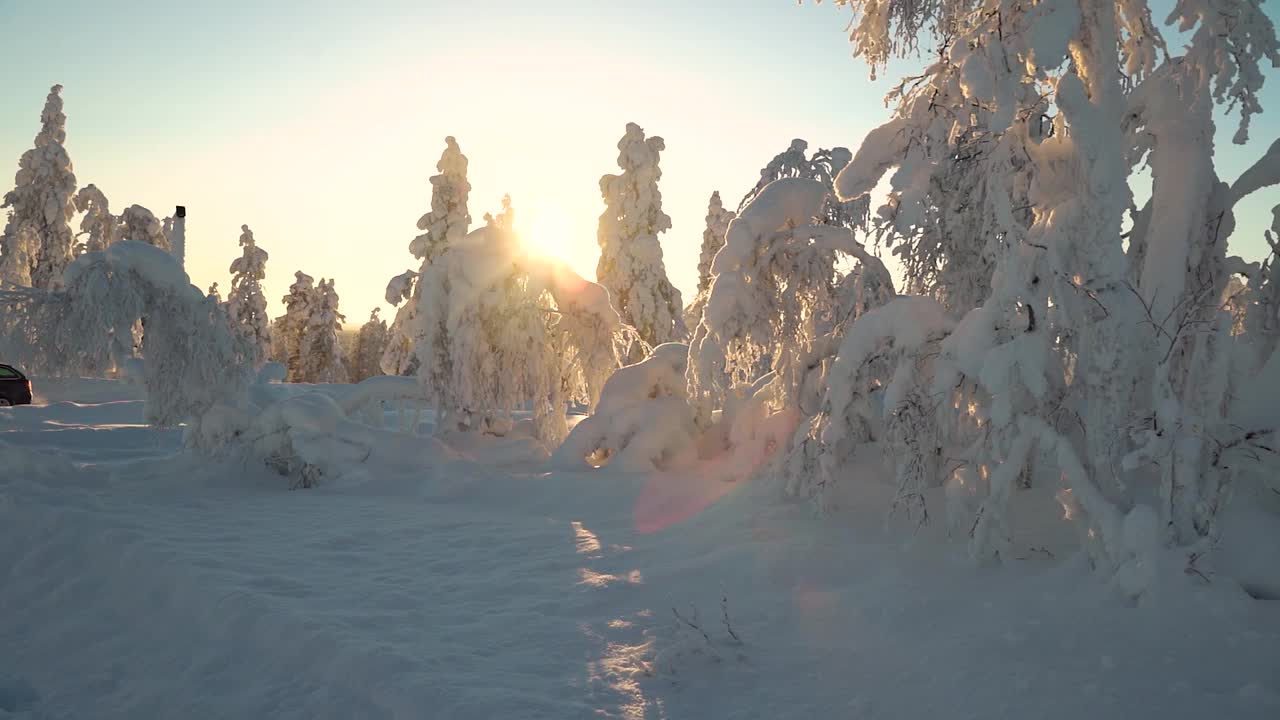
<point x="137" y="581"/>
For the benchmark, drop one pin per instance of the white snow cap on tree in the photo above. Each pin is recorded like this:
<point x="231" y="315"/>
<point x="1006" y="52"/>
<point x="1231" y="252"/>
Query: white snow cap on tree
<point x="631" y="264"/>
<point x="247" y="305"/>
<point x="141" y="225"/>
<point x="37" y="243"/>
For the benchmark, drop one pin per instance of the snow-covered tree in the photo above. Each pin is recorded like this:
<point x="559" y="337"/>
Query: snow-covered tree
<point x="718" y="219"/>
<point x="504" y="330"/>
<point x="444" y="224"/>
<point x="299" y="306"/>
<point x="214" y="294"/>
<point x="320" y="347"/>
<point x="631" y="264"/>
<point x="247" y="305"/>
<point x="98" y="224"/>
<point x="192" y="360"/>
<point x="1110" y="369"/>
<point x="371" y="342"/>
<point x="37" y="243"/>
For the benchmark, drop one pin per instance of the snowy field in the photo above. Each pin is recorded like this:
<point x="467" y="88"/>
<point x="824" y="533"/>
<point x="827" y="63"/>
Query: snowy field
<point x="137" y="581"/>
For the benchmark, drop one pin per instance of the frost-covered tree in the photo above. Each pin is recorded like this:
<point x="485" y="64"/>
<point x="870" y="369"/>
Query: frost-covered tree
<point x="444" y="224"/>
<point x="37" y="243"/>
<point x="1073" y="358"/>
<point x="141" y="225"/>
<point x="100" y="227"/>
<point x="630" y="255"/>
<point x="320" y="348"/>
<point x="371" y="342"/>
<point x="214" y="294"/>
<point x="192" y="360"/>
<point x="292" y="327"/>
<point x="718" y="219"/>
<point x="247" y="305"/>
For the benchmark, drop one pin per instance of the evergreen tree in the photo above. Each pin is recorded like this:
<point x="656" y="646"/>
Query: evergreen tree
<point x="37" y="243"/>
<point x="247" y="305"/>
<point x="630" y="264"/>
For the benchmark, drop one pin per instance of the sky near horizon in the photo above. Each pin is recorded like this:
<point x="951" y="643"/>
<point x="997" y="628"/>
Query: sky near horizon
<point x="319" y="123"/>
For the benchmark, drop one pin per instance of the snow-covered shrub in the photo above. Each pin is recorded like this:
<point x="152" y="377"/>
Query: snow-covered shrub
<point x="445" y="224"/>
<point x="630" y="255"/>
<point x="247" y="305"/>
<point x="37" y="243"/>
<point x="643" y="420"/>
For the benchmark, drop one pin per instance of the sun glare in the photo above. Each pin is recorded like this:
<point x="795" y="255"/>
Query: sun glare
<point x="547" y="231"/>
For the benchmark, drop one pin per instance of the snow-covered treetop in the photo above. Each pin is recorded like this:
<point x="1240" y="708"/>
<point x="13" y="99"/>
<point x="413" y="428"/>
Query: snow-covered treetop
<point x="822" y="166"/>
<point x="504" y="219"/>
<point x="252" y="264"/>
<point x="142" y="225"/>
<point x="53" y="122"/>
<point x="448" y="219"/>
<point x="635" y="202"/>
<point x="718" y="220"/>
<point x="98" y="223"/>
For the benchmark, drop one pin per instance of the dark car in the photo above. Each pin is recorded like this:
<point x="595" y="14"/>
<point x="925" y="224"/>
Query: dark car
<point x="15" y="388"/>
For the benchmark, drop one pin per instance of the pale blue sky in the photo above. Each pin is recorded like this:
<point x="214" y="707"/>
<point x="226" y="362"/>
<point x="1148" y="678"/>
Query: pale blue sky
<point x="318" y="123"/>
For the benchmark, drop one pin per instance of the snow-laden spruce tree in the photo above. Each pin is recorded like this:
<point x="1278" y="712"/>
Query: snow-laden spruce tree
<point x="630" y="255"/>
<point x="1109" y="369"/>
<point x="444" y="224"/>
<point x="139" y="224"/>
<point x="718" y="219"/>
<point x="37" y="243"/>
<point x="247" y="305"/>
<point x="100" y="227"/>
<point x="320" y="348"/>
<point x="371" y="342"/>
<point x="214" y="294"/>
<point x="822" y="166"/>
<point x="292" y="326"/>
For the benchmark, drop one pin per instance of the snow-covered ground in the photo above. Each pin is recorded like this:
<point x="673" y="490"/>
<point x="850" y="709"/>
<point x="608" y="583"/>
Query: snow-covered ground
<point x="137" y="581"/>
